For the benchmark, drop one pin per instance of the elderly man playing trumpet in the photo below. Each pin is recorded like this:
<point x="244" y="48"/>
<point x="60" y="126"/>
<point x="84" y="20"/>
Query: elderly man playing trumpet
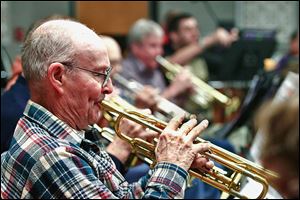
<point x="67" y="69"/>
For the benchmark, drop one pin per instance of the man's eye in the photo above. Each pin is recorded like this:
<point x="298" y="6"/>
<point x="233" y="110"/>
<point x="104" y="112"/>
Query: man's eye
<point x="96" y="74"/>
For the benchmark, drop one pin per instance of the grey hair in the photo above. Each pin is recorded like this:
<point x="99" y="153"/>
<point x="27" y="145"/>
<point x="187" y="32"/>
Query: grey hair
<point x="143" y="28"/>
<point x="53" y="41"/>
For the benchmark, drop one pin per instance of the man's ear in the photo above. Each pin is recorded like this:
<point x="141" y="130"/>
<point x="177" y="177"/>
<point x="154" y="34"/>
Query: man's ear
<point x="55" y="76"/>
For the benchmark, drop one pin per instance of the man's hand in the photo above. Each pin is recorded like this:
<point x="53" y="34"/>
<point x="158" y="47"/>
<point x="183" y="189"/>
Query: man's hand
<point x="183" y="81"/>
<point x="181" y="84"/>
<point x="225" y="38"/>
<point x="147" y="98"/>
<point x="220" y="37"/>
<point x="176" y="146"/>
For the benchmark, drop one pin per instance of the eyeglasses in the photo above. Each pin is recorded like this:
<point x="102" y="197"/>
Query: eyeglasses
<point x="97" y="74"/>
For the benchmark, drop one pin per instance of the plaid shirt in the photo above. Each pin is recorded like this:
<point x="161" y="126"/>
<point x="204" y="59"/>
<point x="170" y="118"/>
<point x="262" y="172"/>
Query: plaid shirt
<point x="48" y="159"/>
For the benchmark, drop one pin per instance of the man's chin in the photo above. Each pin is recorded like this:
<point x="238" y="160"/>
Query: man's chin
<point x="96" y="114"/>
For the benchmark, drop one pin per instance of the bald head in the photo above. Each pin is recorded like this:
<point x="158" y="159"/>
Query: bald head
<point x="55" y="41"/>
<point x="67" y="29"/>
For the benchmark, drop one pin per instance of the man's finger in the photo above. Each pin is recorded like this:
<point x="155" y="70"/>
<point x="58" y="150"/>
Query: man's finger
<point x="175" y="122"/>
<point x="194" y="133"/>
<point x="188" y="126"/>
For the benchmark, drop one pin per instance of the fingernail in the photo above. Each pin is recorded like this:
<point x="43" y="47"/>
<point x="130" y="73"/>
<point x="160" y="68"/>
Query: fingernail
<point x="192" y="116"/>
<point x="182" y="115"/>
<point x="205" y="122"/>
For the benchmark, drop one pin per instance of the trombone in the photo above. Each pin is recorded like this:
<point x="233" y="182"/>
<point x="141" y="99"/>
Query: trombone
<point x="205" y="93"/>
<point x="166" y="108"/>
<point x="215" y="177"/>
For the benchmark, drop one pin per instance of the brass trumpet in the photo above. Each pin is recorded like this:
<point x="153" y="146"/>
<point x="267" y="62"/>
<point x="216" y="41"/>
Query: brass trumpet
<point x="205" y="94"/>
<point x="215" y="177"/>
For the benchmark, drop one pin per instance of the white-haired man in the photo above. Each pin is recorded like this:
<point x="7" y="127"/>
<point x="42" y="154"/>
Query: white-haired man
<point x="145" y="42"/>
<point x="68" y="73"/>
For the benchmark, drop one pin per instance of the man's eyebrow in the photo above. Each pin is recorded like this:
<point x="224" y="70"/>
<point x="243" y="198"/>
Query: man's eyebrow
<point x="103" y="68"/>
<point x="100" y="67"/>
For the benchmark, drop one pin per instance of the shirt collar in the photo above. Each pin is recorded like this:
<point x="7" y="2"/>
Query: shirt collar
<point x="52" y="124"/>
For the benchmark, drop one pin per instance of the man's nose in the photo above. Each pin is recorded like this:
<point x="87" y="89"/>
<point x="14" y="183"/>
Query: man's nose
<point x="108" y="87"/>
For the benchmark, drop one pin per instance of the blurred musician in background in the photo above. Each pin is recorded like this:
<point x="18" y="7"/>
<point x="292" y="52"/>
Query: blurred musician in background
<point x="279" y="123"/>
<point x="290" y="61"/>
<point x="185" y="47"/>
<point x="144" y="98"/>
<point x="145" y="40"/>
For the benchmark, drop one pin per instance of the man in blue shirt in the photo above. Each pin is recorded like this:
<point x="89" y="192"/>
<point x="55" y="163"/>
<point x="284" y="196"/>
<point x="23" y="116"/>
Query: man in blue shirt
<point x="13" y="102"/>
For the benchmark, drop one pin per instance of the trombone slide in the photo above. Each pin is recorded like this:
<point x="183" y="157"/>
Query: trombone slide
<point x="165" y="106"/>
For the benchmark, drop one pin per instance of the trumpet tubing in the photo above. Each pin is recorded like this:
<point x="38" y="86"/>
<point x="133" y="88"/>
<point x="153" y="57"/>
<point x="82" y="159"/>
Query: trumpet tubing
<point x="106" y="133"/>
<point x="206" y="92"/>
<point x="215" y="177"/>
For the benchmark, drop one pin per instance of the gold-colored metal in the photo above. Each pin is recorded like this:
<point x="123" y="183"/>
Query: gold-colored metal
<point x="107" y="133"/>
<point x="165" y="108"/>
<point x="205" y="94"/>
<point x="215" y="177"/>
